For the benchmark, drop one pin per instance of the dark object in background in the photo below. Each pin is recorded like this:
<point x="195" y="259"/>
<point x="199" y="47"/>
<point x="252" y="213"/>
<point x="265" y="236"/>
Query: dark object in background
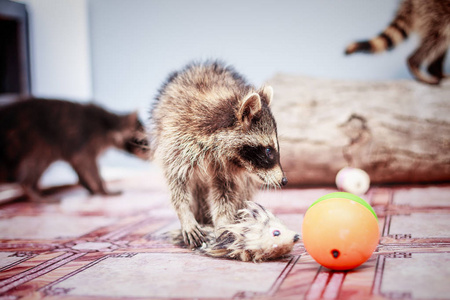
<point x="37" y="132"/>
<point x="14" y="52"/>
<point x="430" y="19"/>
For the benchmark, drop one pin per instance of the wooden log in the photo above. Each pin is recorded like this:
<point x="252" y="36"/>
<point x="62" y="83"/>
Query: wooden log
<point x="397" y="131"/>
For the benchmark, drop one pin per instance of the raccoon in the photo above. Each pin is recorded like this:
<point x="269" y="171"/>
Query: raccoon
<point x="431" y="20"/>
<point x="257" y="235"/>
<point x="37" y="132"/>
<point x="216" y="139"/>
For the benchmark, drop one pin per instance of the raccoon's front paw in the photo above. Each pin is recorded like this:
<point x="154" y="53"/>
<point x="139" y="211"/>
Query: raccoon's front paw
<point x="194" y="236"/>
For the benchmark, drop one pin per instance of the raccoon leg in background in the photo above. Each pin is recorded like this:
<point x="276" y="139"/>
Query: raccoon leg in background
<point x="430" y="49"/>
<point x="28" y="174"/>
<point x="436" y="68"/>
<point x="89" y="176"/>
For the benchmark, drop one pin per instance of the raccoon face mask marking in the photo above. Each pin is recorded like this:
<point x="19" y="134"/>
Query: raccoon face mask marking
<point x="264" y="161"/>
<point x="260" y="157"/>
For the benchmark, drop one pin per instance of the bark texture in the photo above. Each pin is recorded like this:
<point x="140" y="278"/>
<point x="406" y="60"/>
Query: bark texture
<point x="397" y="131"/>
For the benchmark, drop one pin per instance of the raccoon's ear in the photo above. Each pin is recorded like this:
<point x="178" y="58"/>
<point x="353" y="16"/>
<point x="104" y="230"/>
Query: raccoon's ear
<point x="267" y="91"/>
<point x="250" y="106"/>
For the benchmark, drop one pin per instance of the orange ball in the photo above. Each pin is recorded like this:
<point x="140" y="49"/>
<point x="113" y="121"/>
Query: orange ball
<point x="340" y="231"/>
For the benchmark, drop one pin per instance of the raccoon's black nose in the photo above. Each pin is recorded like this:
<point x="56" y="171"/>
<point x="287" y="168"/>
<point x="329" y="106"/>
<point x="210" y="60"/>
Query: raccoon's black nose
<point x="284" y="181"/>
<point x="296" y="238"/>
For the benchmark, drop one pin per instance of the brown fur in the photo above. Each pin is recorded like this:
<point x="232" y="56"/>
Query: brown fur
<point x="210" y="130"/>
<point x="431" y="20"/>
<point x="250" y="238"/>
<point x="36" y="132"/>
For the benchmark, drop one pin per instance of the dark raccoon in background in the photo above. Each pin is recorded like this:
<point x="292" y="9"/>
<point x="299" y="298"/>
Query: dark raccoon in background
<point x="215" y="137"/>
<point x="428" y="18"/>
<point x="37" y="132"/>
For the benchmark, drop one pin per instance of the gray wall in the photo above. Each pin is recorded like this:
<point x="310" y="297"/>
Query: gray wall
<point x="59" y="49"/>
<point x="136" y="43"/>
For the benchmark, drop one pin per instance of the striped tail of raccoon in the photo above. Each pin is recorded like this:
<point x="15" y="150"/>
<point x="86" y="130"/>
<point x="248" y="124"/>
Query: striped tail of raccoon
<point x="431" y="20"/>
<point x="256" y="236"/>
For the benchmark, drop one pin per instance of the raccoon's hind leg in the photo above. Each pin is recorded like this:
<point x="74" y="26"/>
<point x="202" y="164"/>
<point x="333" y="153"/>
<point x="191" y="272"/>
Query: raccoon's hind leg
<point x="430" y="49"/>
<point x="436" y="68"/>
<point x="89" y="176"/>
<point x="29" y="172"/>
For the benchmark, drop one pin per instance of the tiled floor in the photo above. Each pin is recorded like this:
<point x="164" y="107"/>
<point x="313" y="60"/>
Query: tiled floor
<point x="110" y="247"/>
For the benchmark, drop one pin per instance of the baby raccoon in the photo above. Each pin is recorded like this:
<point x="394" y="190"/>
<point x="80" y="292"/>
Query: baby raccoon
<point x="34" y="133"/>
<point x="431" y="20"/>
<point x="257" y="235"/>
<point x="215" y="137"/>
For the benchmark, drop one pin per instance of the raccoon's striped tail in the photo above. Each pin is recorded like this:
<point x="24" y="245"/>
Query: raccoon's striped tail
<point x="393" y="35"/>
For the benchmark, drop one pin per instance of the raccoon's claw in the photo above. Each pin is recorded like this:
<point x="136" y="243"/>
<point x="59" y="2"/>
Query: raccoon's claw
<point x="194" y="238"/>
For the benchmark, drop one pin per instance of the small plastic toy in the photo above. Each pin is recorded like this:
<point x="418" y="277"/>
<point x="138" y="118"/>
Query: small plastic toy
<point x="340" y="231"/>
<point x="353" y="180"/>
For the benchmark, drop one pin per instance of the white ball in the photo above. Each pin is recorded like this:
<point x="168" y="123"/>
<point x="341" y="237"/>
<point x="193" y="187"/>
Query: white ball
<point x="353" y="180"/>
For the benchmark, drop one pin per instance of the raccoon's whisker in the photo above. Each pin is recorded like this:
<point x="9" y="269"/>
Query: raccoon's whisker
<point x="274" y="186"/>
<point x="265" y="186"/>
<point x="269" y="182"/>
<point x="277" y="185"/>
<point x="261" y="188"/>
<point x="273" y="182"/>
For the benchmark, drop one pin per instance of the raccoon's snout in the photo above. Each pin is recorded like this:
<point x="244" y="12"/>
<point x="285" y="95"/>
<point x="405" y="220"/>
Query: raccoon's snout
<point x="296" y="238"/>
<point x="284" y="181"/>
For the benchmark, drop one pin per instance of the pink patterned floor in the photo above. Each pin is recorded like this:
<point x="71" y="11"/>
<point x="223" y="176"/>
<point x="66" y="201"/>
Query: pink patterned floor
<point x="110" y="247"/>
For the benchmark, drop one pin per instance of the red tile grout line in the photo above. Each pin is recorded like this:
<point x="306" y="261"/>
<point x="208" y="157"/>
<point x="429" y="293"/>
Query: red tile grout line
<point x="34" y="269"/>
<point x="327" y="284"/>
<point x="26" y="257"/>
<point x="275" y="286"/>
<point x="317" y="286"/>
<point x="117" y="234"/>
<point x="387" y="225"/>
<point x="378" y="277"/>
<point x="379" y="267"/>
<point x="79" y="270"/>
<point x="37" y="271"/>
<point x="5" y="246"/>
<point x="287" y="269"/>
<point x="334" y="285"/>
<point x="387" y="220"/>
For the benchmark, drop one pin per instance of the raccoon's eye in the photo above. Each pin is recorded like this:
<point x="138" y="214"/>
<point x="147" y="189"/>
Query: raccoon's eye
<point x="269" y="153"/>
<point x="276" y="232"/>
